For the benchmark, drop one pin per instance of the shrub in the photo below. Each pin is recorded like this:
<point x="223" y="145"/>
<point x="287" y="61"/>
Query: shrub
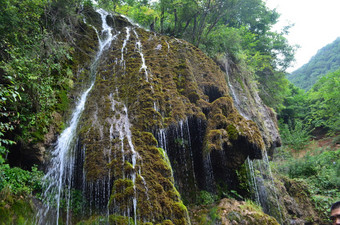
<point x="19" y="181"/>
<point x="205" y="198"/>
<point x="321" y="171"/>
<point x="295" y="135"/>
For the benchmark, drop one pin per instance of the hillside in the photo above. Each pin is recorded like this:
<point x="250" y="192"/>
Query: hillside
<point x="326" y="60"/>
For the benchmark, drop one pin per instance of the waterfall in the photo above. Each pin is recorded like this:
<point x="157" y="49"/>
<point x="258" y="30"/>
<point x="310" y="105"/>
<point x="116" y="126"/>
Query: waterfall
<point x="122" y="61"/>
<point x="209" y="173"/>
<point x="234" y="95"/>
<point x="139" y="49"/>
<point x="252" y="180"/>
<point x="59" y="177"/>
<point x="178" y="152"/>
<point x="122" y="126"/>
<point x="263" y="187"/>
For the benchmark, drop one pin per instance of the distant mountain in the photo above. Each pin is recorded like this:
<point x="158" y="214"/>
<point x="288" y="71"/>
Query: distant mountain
<point x="326" y="60"/>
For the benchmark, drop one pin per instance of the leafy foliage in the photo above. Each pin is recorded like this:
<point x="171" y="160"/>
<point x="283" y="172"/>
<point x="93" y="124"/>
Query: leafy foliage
<point x="206" y="198"/>
<point x="8" y="94"/>
<point x="295" y="105"/>
<point x="303" y="112"/>
<point x="320" y="169"/>
<point x="324" y="102"/>
<point x="294" y="135"/>
<point x="19" y="181"/>
<point x="16" y="189"/>
<point x="32" y="75"/>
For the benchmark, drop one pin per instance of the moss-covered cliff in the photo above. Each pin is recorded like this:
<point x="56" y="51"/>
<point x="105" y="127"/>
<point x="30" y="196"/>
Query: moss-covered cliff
<point x="244" y="90"/>
<point x="152" y="131"/>
<point x="159" y="128"/>
<point x="158" y="120"/>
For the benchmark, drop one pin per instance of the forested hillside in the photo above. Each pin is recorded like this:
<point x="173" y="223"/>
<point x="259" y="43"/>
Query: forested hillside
<point x="326" y="60"/>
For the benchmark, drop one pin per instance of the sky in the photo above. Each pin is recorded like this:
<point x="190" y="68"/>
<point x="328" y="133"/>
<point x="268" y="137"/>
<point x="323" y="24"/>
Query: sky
<point x="317" y="23"/>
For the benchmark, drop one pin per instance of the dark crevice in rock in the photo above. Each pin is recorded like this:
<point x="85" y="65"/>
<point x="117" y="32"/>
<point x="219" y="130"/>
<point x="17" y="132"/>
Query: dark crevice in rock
<point x="96" y="192"/>
<point x="213" y="93"/>
<point x="25" y="157"/>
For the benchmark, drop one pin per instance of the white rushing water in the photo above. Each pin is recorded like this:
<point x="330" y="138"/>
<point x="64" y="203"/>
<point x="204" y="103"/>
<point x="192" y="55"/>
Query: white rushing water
<point x="263" y="187"/>
<point x="122" y="61"/>
<point x="139" y="49"/>
<point x="234" y="95"/>
<point x="252" y="180"/>
<point x="61" y="166"/>
<point x="122" y="127"/>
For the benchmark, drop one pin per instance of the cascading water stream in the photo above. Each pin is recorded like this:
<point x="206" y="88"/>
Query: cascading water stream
<point x="234" y="95"/>
<point x="262" y="183"/>
<point x="61" y="166"/>
<point x="139" y="48"/>
<point x="252" y="180"/>
<point x="122" y="126"/>
<point x="122" y="61"/>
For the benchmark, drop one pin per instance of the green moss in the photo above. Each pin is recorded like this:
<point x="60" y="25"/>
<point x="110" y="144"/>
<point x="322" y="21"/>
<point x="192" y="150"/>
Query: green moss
<point x="128" y="167"/>
<point x="15" y="210"/>
<point x="64" y="102"/>
<point x="149" y="139"/>
<point x="232" y="132"/>
<point x="175" y="90"/>
<point x="120" y="220"/>
<point x="112" y="219"/>
<point x="167" y="222"/>
<point x="193" y="97"/>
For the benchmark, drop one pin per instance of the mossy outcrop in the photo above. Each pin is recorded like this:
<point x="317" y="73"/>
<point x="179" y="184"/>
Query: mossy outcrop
<point x="158" y="126"/>
<point x="16" y="209"/>
<point x="246" y="98"/>
<point x="297" y="204"/>
<point x="234" y="212"/>
<point x="287" y="200"/>
<point x="231" y="211"/>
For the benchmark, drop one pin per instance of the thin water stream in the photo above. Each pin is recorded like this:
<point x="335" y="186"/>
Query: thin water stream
<point x="58" y="179"/>
<point x="263" y="187"/>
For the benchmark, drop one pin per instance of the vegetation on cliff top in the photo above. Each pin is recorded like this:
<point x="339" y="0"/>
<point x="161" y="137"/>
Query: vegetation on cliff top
<point x="240" y="29"/>
<point x="37" y="45"/>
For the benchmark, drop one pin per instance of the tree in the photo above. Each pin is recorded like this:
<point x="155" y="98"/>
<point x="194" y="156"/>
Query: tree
<point x="31" y="73"/>
<point x="324" y="103"/>
<point x="294" y="106"/>
<point x="8" y="95"/>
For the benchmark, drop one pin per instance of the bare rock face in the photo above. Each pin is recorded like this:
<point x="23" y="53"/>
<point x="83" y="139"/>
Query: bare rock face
<point x="249" y="103"/>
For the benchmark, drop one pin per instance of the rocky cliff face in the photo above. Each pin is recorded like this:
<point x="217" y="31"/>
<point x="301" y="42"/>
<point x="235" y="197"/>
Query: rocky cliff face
<point x="243" y="89"/>
<point x="159" y="125"/>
